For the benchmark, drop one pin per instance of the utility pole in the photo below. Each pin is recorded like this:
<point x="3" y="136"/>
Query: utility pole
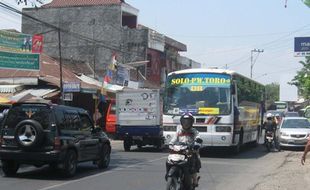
<point x="60" y="68"/>
<point x="252" y="63"/>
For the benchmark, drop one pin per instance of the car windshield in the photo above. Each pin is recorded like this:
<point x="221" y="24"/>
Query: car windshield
<point x="39" y="113"/>
<point x="296" y="123"/>
<point x="198" y="93"/>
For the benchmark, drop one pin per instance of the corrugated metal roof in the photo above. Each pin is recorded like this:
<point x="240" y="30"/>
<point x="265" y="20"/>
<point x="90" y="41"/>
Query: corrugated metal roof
<point x="33" y="92"/>
<point x="9" y="88"/>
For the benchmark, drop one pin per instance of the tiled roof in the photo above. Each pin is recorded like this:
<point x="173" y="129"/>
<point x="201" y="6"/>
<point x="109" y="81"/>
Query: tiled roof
<point x="74" y="3"/>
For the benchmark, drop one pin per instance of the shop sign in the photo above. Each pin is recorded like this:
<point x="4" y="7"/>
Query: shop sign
<point x="72" y="87"/>
<point x="24" y="61"/>
<point x="68" y="97"/>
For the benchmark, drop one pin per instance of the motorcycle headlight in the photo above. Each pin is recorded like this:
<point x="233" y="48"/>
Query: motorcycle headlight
<point x="283" y="134"/>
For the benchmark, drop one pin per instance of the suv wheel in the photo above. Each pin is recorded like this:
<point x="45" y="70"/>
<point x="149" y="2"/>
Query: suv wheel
<point x="9" y="167"/>
<point x="29" y="134"/>
<point x="70" y="163"/>
<point x="127" y="145"/>
<point x="105" y="155"/>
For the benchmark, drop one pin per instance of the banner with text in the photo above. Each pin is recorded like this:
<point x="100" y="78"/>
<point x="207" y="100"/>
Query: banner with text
<point x="23" y="61"/>
<point x="37" y="43"/>
<point x="16" y="42"/>
<point x="302" y="46"/>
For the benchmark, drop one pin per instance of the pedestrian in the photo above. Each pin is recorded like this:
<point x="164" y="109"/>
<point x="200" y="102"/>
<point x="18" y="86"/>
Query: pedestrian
<point x="97" y="117"/>
<point x="307" y="148"/>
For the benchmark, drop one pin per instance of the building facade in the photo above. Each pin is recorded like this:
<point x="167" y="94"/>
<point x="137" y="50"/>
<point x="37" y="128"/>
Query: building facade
<point x="93" y="31"/>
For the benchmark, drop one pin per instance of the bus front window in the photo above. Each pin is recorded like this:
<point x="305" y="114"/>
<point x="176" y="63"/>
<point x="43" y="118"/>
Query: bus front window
<point x="204" y="98"/>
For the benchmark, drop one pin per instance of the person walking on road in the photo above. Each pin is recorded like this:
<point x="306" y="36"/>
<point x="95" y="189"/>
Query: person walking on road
<point x="307" y="148"/>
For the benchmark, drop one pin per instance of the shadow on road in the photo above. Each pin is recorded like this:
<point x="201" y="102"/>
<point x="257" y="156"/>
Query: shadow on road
<point x="83" y="170"/>
<point x="295" y="149"/>
<point x="247" y="152"/>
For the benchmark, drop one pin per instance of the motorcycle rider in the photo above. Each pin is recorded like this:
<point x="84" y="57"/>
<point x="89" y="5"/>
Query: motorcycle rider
<point x="278" y="119"/>
<point x="187" y="134"/>
<point x="271" y="126"/>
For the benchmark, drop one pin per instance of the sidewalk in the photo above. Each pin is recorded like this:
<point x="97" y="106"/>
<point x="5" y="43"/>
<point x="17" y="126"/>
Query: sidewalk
<point x="290" y="175"/>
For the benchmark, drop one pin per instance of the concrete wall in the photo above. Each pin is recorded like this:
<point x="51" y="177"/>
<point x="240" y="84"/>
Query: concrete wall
<point x="101" y="23"/>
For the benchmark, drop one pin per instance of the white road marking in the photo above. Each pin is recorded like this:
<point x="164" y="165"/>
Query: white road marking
<point x="100" y="174"/>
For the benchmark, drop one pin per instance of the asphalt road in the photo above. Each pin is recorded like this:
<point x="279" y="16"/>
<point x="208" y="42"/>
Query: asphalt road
<point x="144" y="170"/>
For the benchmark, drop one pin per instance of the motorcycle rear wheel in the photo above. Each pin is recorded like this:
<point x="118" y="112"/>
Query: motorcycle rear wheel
<point x="268" y="146"/>
<point x="172" y="184"/>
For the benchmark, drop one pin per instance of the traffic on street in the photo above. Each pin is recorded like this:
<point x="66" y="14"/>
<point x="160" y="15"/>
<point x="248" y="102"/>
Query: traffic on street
<point x="156" y="94"/>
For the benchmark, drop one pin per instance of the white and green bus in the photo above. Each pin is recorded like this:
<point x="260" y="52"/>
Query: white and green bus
<point x="281" y="106"/>
<point x="226" y="105"/>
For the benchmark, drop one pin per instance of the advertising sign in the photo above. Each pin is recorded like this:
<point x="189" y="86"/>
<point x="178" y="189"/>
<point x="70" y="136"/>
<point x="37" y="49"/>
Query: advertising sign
<point x="23" y="61"/>
<point x="68" y="97"/>
<point x="17" y="42"/>
<point x="37" y="44"/>
<point x="72" y="87"/>
<point x="122" y="75"/>
<point x="302" y="46"/>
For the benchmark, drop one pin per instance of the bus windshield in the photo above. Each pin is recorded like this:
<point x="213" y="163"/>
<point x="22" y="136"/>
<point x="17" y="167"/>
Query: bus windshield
<point x="198" y="93"/>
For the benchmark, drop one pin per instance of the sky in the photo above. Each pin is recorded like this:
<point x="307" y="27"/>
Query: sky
<point x="222" y="33"/>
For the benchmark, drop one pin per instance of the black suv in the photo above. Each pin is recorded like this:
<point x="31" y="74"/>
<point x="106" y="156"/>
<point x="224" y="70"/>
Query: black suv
<point x="61" y="136"/>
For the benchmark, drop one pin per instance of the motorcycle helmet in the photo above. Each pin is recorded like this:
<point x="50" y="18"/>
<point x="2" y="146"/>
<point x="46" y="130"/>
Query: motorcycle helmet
<point x="187" y="121"/>
<point x="269" y="116"/>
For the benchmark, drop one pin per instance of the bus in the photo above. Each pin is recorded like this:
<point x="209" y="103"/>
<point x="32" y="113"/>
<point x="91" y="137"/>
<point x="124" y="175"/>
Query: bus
<point x="227" y="107"/>
<point x="281" y="106"/>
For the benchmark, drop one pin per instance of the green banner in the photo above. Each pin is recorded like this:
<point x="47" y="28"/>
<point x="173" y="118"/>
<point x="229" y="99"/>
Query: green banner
<point x="23" y="61"/>
<point x="12" y="41"/>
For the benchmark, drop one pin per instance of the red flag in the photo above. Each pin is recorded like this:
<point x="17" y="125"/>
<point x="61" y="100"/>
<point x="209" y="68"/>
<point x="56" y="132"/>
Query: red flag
<point x="37" y="43"/>
<point x="106" y="79"/>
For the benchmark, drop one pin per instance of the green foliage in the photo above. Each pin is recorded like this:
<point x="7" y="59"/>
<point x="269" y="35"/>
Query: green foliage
<point x="272" y="92"/>
<point x="302" y="79"/>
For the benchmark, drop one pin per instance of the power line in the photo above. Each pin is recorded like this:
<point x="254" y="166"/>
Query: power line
<point x="285" y="36"/>
<point x="231" y="36"/>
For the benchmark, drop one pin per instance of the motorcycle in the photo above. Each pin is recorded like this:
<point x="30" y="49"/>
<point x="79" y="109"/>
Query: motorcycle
<point x="269" y="140"/>
<point x="179" y="165"/>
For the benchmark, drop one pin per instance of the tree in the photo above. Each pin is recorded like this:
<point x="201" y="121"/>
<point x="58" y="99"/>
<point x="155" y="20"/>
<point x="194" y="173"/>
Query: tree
<point x="33" y="3"/>
<point x="302" y="79"/>
<point x="272" y="92"/>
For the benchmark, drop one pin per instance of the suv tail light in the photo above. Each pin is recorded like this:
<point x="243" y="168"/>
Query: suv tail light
<point x="57" y="143"/>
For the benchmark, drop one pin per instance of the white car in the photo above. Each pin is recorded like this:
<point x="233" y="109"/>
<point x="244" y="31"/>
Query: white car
<point x="294" y="132"/>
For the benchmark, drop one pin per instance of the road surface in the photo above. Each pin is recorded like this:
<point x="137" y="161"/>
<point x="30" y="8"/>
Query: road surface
<point x="145" y="169"/>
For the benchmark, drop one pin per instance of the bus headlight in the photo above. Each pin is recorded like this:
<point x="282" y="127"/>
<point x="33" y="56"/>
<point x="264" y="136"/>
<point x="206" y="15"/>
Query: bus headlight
<point x="223" y="128"/>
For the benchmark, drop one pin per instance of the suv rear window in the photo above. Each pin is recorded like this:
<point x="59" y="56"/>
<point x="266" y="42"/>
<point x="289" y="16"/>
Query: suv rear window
<point x="39" y="113"/>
